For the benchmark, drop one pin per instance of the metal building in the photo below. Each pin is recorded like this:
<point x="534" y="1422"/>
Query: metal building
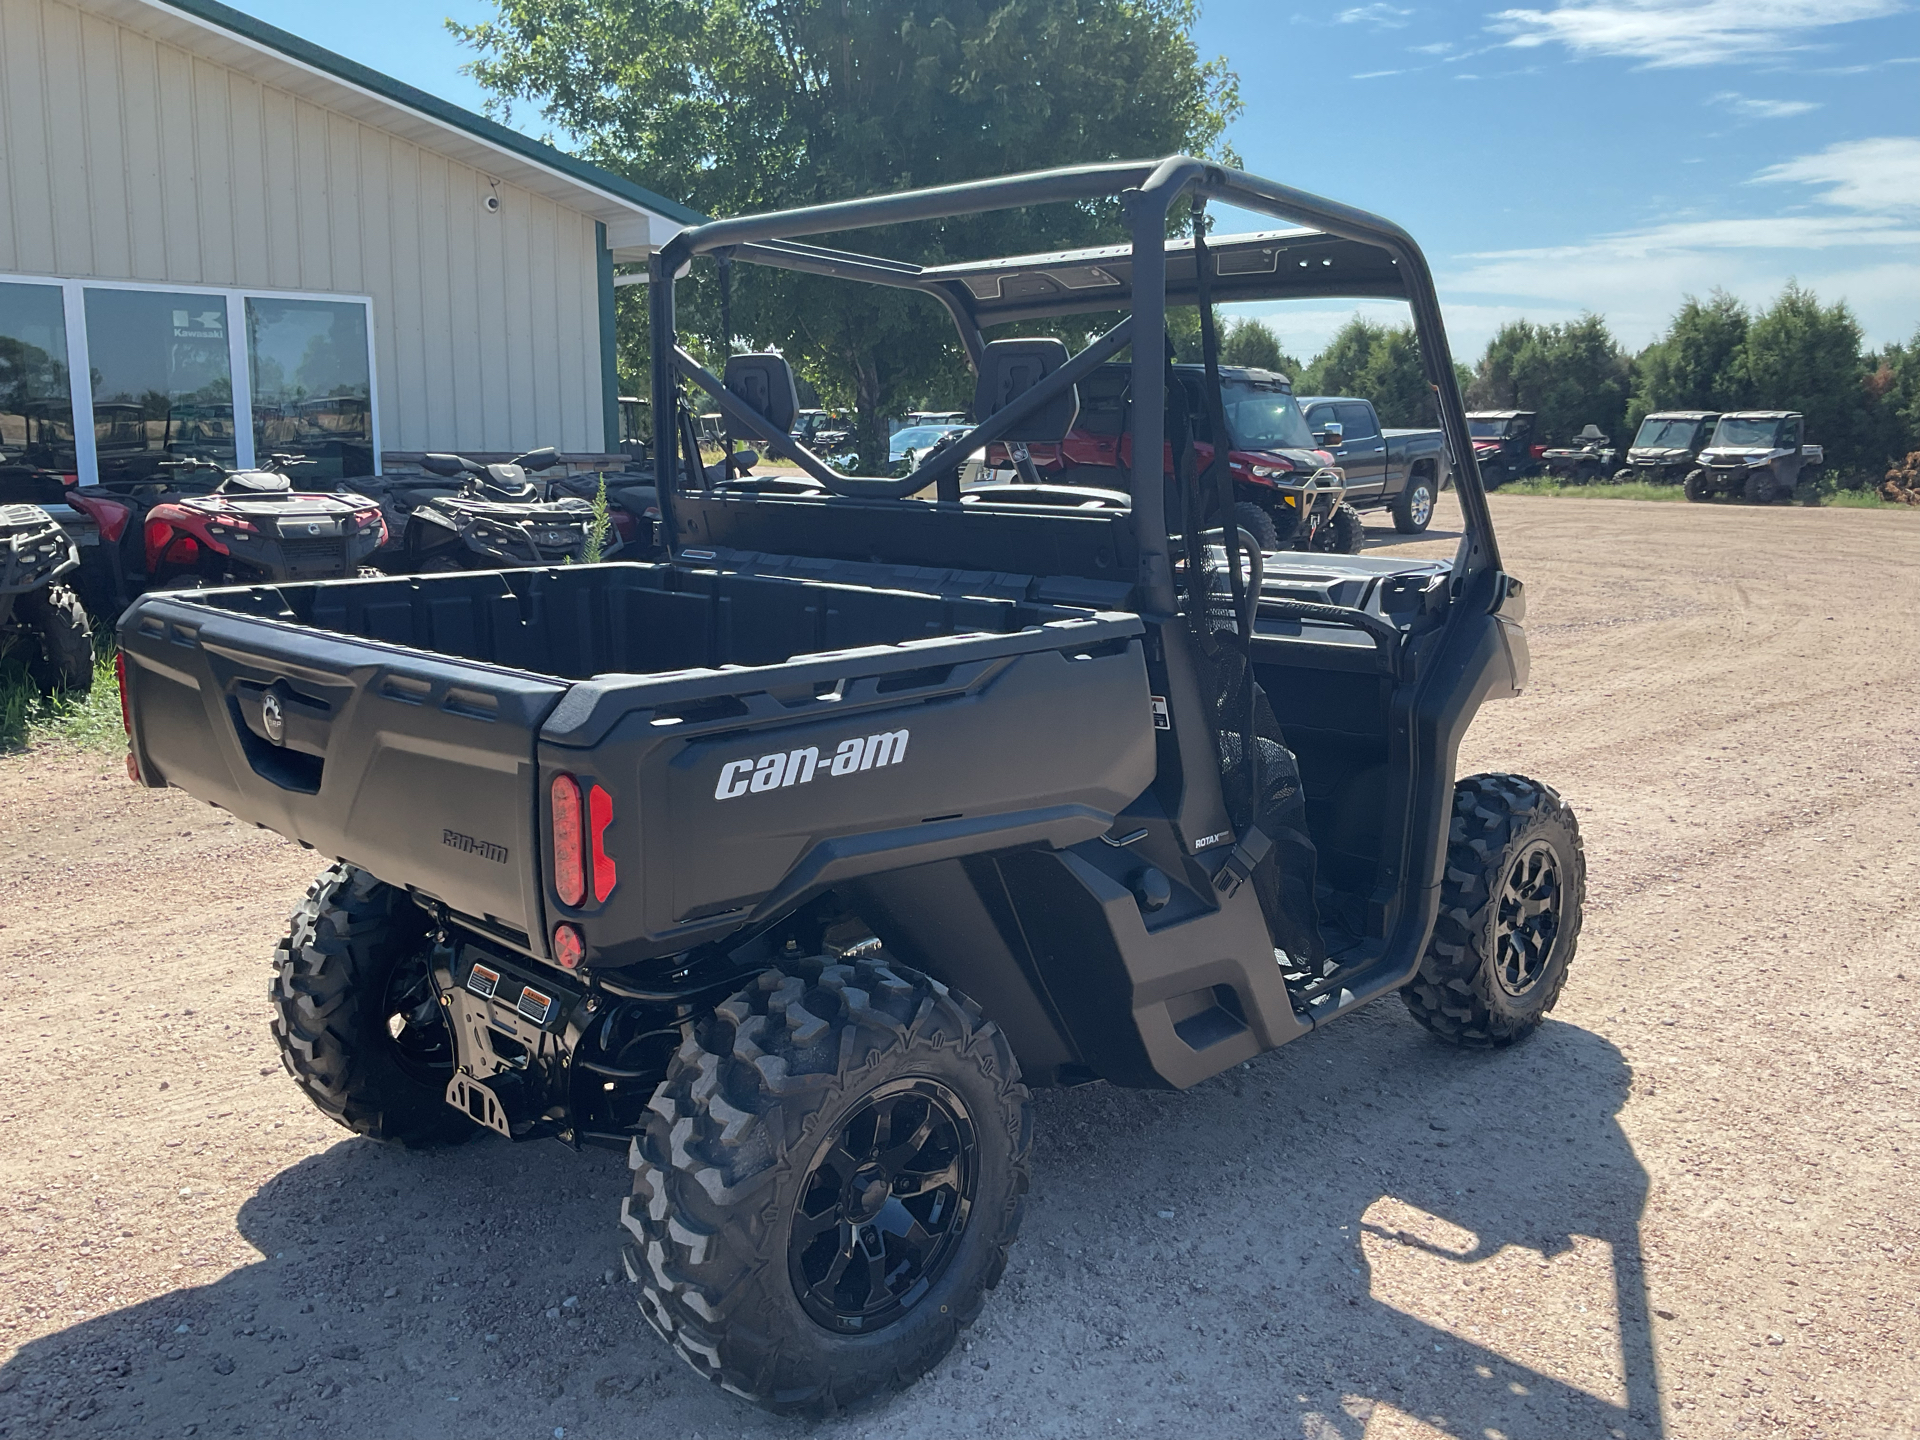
<point x="218" y="239"/>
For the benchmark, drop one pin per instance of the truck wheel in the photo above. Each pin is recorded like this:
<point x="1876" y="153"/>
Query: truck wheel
<point x="1345" y="533"/>
<point x="1696" y="486"/>
<point x="63" y="663"/>
<point x="828" y="1183"/>
<point x="355" y="1013"/>
<point x="1413" y="507"/>
<point x="1510" y="911"/>
<point x="1258" y="523"/>
<point x="1759" y="487"/>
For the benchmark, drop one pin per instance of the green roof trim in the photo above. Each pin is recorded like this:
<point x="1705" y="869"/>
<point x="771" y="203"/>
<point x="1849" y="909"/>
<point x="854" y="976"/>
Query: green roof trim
<point x="388" y="88"/>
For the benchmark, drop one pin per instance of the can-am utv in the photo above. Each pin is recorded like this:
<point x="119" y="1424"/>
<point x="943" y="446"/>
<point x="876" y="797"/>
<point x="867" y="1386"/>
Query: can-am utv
<point x="786" y="864"/>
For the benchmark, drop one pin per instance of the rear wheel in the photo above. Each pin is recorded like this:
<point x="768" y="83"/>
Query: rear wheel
<point x="1255" y="520"/>
<point x="1413" y="507"/>
<point x="63" y="662"/>
<point x="828" y="1184"/>
<point x="355" y="1013"/>
<point x="1696" y="486"/>
<point x="1510" y="911"/>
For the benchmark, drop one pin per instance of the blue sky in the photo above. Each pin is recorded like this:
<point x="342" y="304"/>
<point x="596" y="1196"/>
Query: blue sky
<point x="1611" y="155"/>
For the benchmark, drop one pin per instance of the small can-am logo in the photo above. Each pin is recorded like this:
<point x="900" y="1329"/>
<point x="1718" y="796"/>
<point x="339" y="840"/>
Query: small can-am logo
<point x="272" y="718"/>
<point x="467" y="845"/>
<point x="799" y="767"/>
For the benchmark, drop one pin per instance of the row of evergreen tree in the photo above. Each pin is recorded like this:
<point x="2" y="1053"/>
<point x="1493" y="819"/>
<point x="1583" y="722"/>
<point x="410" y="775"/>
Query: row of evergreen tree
<point x="1797" y="354"/>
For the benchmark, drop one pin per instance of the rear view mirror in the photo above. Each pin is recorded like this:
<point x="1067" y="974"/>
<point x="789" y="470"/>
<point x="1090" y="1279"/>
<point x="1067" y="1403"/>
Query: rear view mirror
<point x="1330" y="435"/>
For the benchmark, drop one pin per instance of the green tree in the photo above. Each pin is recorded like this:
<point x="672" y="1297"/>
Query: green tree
<point x="1805" y="356"/>
<point x="1572" y="374"/>
<point x="746" y="105"/>
<point x="1893" y="389"/>
<point x="1375" y="362"/>
<point x="1699" y="364"/>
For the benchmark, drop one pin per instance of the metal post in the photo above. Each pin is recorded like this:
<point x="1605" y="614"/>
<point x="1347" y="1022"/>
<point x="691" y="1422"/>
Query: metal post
<point x="1147" y="220"/>
<point x="666" y="383"/>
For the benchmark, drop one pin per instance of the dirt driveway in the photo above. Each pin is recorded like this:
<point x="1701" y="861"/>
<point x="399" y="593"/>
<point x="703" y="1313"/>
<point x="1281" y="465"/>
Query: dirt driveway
<point x="1687" y="1208"/>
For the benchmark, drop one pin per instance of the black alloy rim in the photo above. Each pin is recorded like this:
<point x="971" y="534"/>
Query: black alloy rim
<point x="883" y="1208"/>
<point x="416" y="1026"/>
<point x="1529" y="924"/>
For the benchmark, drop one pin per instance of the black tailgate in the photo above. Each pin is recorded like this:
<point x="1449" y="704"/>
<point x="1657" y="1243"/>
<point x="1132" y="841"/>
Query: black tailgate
<point x="417" y="768"/>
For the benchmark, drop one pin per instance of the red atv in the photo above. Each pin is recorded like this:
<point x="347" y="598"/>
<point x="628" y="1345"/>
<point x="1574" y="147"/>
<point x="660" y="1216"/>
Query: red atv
<point x="254" y="528"/>
<point x="1287" y="492"/>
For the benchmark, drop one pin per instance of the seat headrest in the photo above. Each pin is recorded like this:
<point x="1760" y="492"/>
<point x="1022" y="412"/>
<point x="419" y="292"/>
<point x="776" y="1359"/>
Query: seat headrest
<point x="1592" y="432"/>
<point x="766" y="383"/>
<point x="1010" y="368"/>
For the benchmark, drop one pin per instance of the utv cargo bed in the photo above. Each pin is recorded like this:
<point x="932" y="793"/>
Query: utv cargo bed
<point x="405" y="724"/>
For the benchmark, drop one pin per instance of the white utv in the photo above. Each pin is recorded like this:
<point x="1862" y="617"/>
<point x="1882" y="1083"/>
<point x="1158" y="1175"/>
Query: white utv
<point x="1758" y="455"/>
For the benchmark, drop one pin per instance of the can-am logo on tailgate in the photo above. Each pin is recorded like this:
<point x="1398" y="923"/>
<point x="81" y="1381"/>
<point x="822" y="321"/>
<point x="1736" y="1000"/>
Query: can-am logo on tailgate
<point x="798" y="767"/>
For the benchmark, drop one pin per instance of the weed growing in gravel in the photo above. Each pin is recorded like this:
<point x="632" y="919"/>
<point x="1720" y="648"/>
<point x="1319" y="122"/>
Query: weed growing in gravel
<point x="29" y="718"/>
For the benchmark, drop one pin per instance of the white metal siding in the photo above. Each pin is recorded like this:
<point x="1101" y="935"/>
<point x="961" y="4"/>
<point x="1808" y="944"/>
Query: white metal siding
<point x="125" y="159"/>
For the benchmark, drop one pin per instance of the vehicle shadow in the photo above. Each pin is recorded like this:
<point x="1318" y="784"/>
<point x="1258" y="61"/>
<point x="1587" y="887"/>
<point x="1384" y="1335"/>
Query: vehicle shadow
<point x="1385" y="537"/>
<point x="472" y="1290"/>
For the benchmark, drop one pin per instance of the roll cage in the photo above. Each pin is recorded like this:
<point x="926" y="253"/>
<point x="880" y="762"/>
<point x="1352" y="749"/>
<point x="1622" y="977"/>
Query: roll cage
<point x="1339" y="251"/>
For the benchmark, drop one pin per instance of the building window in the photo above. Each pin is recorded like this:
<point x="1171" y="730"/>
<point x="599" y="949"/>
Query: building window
<point x="162" y="381"/>
<point x="36" y="404"/>
<point x="118" y="383"/>
<point x="312" y="385"/>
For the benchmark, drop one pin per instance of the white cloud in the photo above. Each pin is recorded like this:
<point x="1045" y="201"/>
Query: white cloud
<point x="1439" y="47"/>
<point x="1377" y="74"/>
<point x="1761" y="109"/>
<point x="1676" y="33"/>
<point x="1863" y="246"/>
<point x="1381" y="17"/>
<point x="1879" y="176"/>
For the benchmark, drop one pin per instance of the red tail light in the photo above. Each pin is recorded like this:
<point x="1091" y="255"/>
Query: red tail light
<point x="120" y="675"/>
<point x="599" y="817"/>
<point x="569" y="856"/>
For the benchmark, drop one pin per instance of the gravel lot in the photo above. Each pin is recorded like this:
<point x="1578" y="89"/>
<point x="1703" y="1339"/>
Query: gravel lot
<point x="1686" y="1208"/>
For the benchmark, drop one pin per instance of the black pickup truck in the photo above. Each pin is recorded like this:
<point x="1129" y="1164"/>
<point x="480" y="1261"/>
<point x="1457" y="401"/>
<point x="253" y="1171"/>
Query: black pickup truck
<point x="1402" y="471"/>
<point x="786" y="864"/>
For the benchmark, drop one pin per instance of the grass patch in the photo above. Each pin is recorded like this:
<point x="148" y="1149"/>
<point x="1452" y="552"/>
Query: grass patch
<point x="1601" y="490"/>
<point x="1861" y="500"/>
<point x="1641" y="490"/>
<point x="89" y="722"/>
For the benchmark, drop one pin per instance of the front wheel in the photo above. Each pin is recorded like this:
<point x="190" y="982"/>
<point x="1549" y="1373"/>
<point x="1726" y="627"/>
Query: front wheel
<point x="1345" y="533"/>
<point x="1413" y="507"/>
<point x="829" y="1181"/>
<point x="1255" y="520"/>
<point x="1510" y="911"/>
<point x="355" y="1014"/>
<point x="1696" y="486"/>
<point x="1623" y="475"/>
<point x="63" y="660"/>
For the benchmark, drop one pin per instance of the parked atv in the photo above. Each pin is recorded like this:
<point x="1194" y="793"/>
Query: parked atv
<point x="1585" y="459"/>
<point x="1503" y="445"/>
<point x="254" y="528"/>
<point x="1758" y="456"/>
<point x="497" y="517"/>
<point x="40" y="618"/>
<point x="783" y="867"/>
<point x="1665" y="449"/>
